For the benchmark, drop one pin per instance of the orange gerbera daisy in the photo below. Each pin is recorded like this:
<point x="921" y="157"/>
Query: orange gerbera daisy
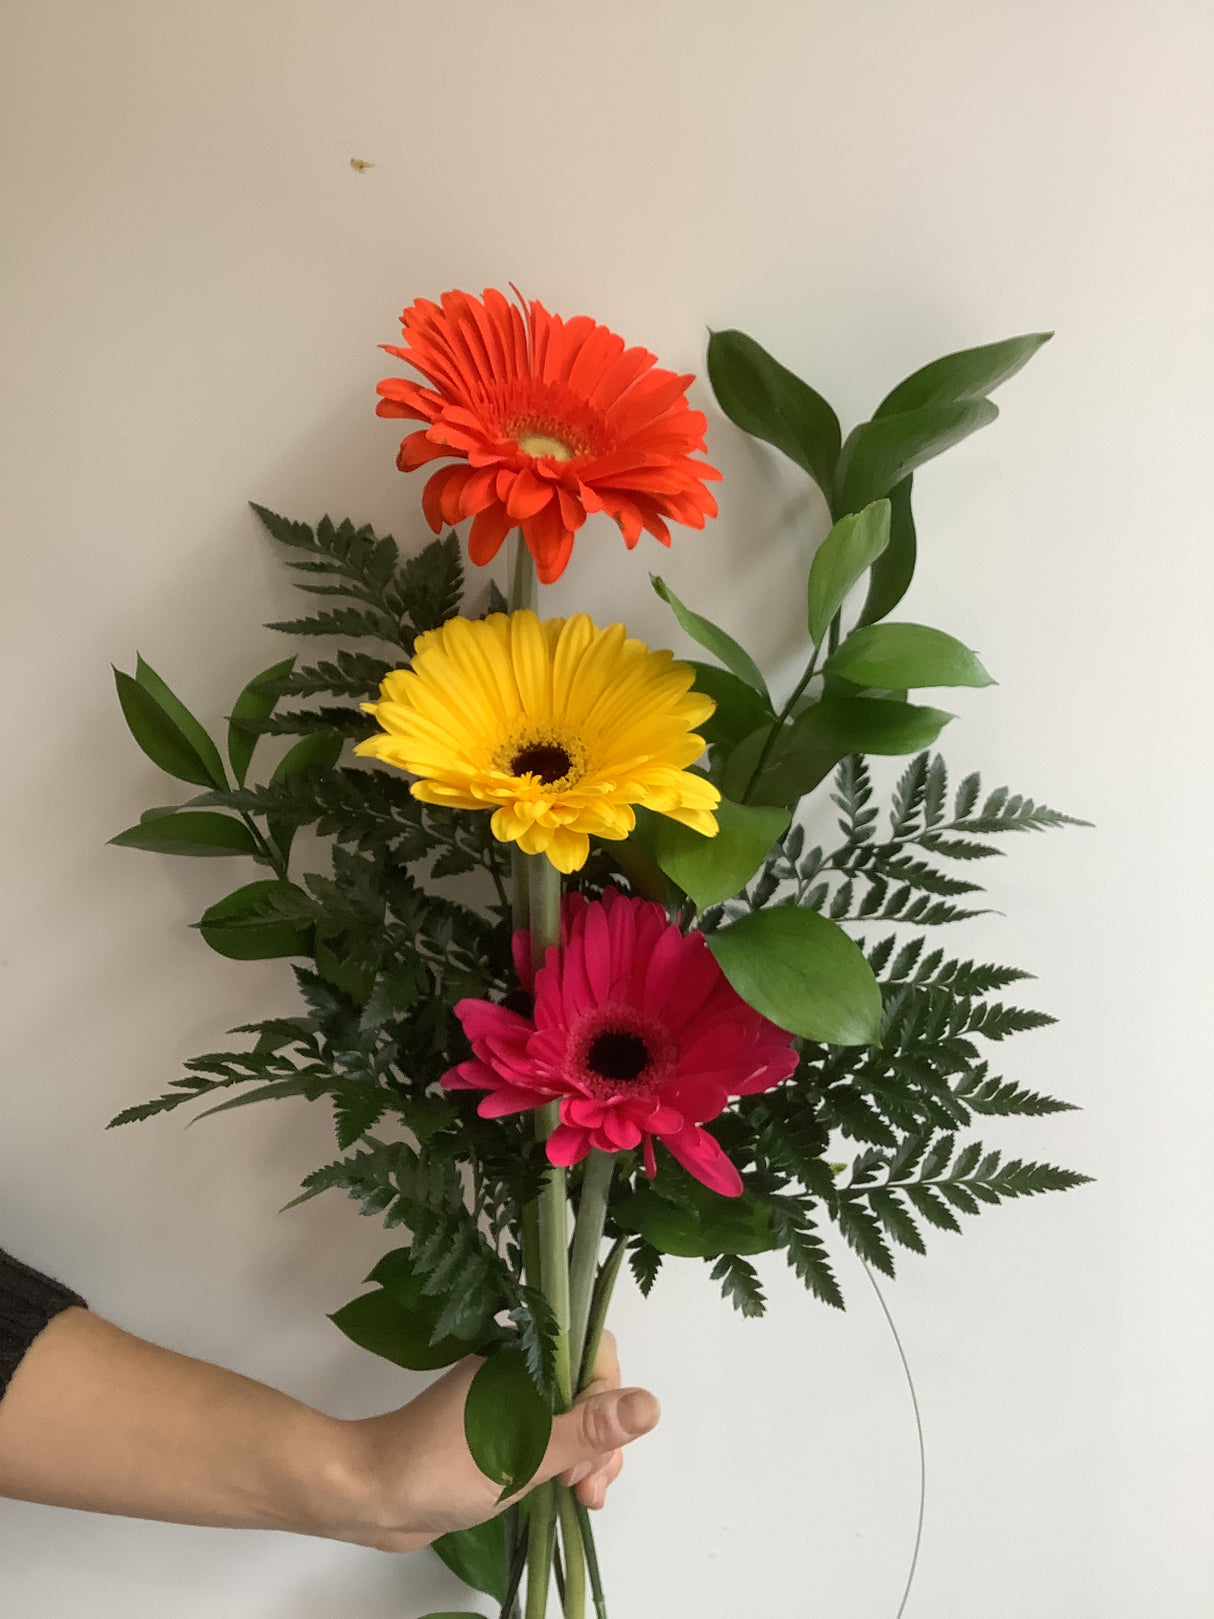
<point x="551" y="419"/>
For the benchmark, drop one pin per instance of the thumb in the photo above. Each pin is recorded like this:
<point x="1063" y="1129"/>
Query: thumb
<point x="598" y="1425"/>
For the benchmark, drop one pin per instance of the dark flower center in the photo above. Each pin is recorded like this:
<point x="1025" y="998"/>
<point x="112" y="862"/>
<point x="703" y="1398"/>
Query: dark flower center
<point x="546" y="760"/>
<point x="617" y="1055"/>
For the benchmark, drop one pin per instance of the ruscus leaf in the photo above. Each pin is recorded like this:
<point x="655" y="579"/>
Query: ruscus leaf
<point x="250" y="924"/>
<point x="803" y="972"/>
<point x="478" y="1557"/>
<point x="160" y="736"/>
<point x="881" y="453"/>
<point x="967" y="374"/>
<point x="506" y="1423"/>
<point x="193" y="730"/>
<point x="893" y="657"/>
<point x="256" y="702"/>
<point x="853" y="545"/>
<point x="192" y="832"/>
<point x="714" y="869"/>
<point x="714" y="639"/>
<point x="768" y="401"/>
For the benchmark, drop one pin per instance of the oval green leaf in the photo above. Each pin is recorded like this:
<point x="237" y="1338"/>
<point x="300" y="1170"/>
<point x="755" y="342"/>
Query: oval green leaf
<point x="804" y="973"/>
<point x="385" y="1323"/>
<point x="160" y="737"/>
<point x="256" y="923"/>
<point x="477" y="1556"/>
<point x="714" y="869"/>
<point x="506" y="1423"/>
<point x="880" y="453"/>
<point x="317" y="748"/>
<point x="739" y="707"/>
<point x="766" y="400"/>
<point x="828" y="730"/>
<point x="193" y="832"/>
<point x="853" y="545"/>
<point x="895" y="567"/>
<point x="714" y="1225"/>
<point x="255" y="703"/>
<point x="193" y="730"/>
<point x="967" y="374"/>
<point x="716" y="640"/>
<point x="894" y="657"/>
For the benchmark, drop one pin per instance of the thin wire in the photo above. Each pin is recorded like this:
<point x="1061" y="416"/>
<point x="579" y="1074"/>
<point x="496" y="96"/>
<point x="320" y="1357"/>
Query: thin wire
<point x="910" y="1383"/>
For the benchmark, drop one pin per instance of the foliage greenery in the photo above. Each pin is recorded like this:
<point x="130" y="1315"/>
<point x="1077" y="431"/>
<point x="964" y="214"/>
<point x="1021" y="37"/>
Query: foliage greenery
<point x="410" y="911"/>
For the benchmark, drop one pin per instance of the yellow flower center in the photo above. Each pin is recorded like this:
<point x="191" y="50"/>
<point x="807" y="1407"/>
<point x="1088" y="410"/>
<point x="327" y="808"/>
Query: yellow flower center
<point x="556" y="759"/>
<point x="538" y="444"/>
<point x="542" y="433"/>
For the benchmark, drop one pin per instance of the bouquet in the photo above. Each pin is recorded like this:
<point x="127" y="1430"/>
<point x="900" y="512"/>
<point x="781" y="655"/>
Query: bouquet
<point x="577" y="982"/>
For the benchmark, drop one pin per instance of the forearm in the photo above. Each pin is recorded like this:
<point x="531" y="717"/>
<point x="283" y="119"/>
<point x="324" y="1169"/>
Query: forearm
<point x="96" y="1419"/>
<point x="99" y="1420"/>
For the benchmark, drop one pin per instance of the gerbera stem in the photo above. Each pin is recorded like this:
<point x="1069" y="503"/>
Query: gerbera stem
<point x="520" y="902"/>
<point x="592" y="1560"/>
<point x="544" y="904"/>
<point x="600" y="1303"/>
<point x="541" y="1542"/>
<point x="587" y="1236"/>
<point x="522" y="583"/>
<point x="575" y="1557"/>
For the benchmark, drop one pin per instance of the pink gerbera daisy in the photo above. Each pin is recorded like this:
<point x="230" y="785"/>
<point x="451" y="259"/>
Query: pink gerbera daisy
<point x="635" y="1030"/>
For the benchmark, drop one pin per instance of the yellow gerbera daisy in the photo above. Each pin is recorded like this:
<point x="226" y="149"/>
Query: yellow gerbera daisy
<point x="557" y="726"/>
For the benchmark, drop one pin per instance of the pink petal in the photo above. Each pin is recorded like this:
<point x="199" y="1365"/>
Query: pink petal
<point x="702" y="1156"/>
<point x="507" y="1100"/>
<point x="567" y="1146"/>
<point x="619" y="1131"/>
<point x="483" y="1020"/>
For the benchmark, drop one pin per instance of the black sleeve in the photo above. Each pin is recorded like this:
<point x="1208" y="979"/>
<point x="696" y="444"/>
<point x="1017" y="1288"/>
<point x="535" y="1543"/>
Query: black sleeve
<point x="27" y="1302"/>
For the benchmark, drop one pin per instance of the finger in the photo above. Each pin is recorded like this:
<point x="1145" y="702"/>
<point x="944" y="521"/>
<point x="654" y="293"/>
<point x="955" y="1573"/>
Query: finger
<point x="592" y="1491"/>
<point x="597" y="1425"/>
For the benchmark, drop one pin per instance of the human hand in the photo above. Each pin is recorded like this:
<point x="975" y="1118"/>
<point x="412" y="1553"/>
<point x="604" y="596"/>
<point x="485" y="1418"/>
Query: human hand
<point x="413" y="1476"/>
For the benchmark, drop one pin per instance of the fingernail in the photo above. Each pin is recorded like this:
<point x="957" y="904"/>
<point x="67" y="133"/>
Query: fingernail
<point x="639" y="1412"/>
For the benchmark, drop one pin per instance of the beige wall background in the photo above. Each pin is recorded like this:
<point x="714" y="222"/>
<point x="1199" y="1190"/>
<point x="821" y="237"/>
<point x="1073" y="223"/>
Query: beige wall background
<point x="195" y="281"/>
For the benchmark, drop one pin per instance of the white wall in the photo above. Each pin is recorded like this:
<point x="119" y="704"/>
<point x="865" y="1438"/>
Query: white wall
<point x="196" y="280"/>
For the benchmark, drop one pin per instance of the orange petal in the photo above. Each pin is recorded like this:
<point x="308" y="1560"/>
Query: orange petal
<point x="489" y="528"/>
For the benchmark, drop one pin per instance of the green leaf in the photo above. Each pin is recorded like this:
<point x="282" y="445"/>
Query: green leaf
<point x="892" y="657"/>
<point x="803" y="973"/>
<point x="967" y="374"/>
<point x="740" y="767"/>
<point x="713" y="869"/>
<point x="740" y="1285"/>
<point x="256" y="702"/>
<point x="852" y="545"/>
<point x="318" y="748"/>
<point x="160" y="736"/>
<point x="716" y="640"/>
<point x="838" y="726"/>
<point x="192" y="729"/>
<point x="396" y="1323"/>
<point x="248" y="925"/>
<point x="477" y="1556"/>
<point x="895" y="567"/>
<point x="824" y="733"/>
<point x="195" y="832"/>
<point x="881" y="453"/>
<point x="703" y="1225"/>
<point x="506" y="1423"/>
<point x="765" y="399"/>
<point x="739" y="707"/>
